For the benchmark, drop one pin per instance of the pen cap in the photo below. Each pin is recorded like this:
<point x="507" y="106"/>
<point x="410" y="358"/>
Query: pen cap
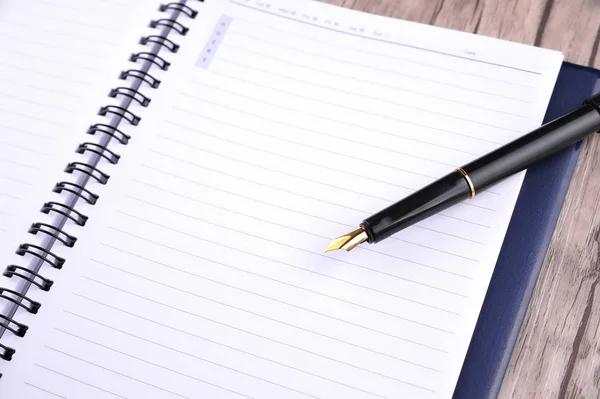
<point x="522" y="153"/>
<point x="434" y="198"/>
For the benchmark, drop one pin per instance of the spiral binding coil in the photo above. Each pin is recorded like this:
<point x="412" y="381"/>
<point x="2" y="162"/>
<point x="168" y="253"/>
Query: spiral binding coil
<point x="141" y="75"/>
<point x="78" y="190"/>
<point x="75" y="191"/>
<point x="53" y="231"/>
<point x="30" y="276"/>
<point x="111" y="130"/>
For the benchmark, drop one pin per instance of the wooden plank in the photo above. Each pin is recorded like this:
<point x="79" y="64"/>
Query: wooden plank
<point x="558" y="350"/>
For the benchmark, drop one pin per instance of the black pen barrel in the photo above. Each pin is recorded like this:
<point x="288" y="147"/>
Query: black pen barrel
<point x="434" y="198"/>
<point x="485" y="171"/>
<point x="522" y="153"/>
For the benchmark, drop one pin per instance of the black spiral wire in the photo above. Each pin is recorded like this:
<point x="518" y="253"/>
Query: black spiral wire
<point x="66" y="213"/>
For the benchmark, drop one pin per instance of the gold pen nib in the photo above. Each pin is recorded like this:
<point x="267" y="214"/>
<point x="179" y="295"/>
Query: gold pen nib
<point x="348" y="241"/>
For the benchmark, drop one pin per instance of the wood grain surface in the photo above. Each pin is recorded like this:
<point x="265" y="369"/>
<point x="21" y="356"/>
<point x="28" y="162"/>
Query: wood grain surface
<point x="558" y="350"/>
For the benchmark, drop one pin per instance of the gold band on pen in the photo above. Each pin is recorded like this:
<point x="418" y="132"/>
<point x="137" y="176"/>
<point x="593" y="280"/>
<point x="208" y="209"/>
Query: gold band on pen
<point x="468" y="179"/>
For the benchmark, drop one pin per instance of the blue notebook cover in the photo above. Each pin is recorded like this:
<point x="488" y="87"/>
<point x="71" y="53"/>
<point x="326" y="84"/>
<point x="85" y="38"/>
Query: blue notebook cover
<point x="531" y="227"/>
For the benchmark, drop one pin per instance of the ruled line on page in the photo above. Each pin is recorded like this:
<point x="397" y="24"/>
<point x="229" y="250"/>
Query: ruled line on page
<point x="139" y="359"/>
<point x="239" y="3"/>
<point x="256" y="335"/>
<point x="255" y="182"/>
<point x="304" y="213"/>
<point x="316" y="100"/>
<point x="245" y="145"/>
<point x="286" y="209"/>
<point x="363" y="80"/>
<point x="437" y="82"/>
<point x="288" y="284"/>
<point x="35" y="151"/>
<point x="51" y="44"/>
<point x="363" y="95"/>
<point x="454" y="293"/>
<point x="27" y="100"/>
<point x="196" y="256"/>
<point x="327" y="239"/>
<point x="368" y="129"/>
<point x="307" y="214"/>
<point x="38" y="135"/>
<point x="114" y="372"/>
<point x="320" y="116"/>
<point x="221" y="208"/>
<point x="248" y="180"/>
<point x="61" y="92"/>
<point x="307" y="251"/>
<point x="370" y="67"/>
<point x="11" y="196"/>
<point x="51" y="60"/>
<point x="289" y="324"/>
<point x="44" y="390"/>
<point x="299" y="288"/>
<point x="268" y="103"/>
<point x="78" y="380"/>
<point x="282" y="139"/>
<point x="84" y="11"/>
<point x="295" y="176"/>
<point x="73" y="21"/>
<point x="466" y="204"/>
<point x="63" y="33"/>
<point x="202" y="184"/>
<point x="319" y="149"/>
<point x="259" y="315"/>
<point x="87" y="318"/>
<point x="275" y="261"/>
<point x="66" y="78"/>
<point x="15" y="180"/>
<point x="12" y="161"/>
<point x="237" y="212"/>
<point x="37" y="118"/>
<point x="337" y="46"/>
<point x="118" y="2"/>
<point x="185" y="354"/>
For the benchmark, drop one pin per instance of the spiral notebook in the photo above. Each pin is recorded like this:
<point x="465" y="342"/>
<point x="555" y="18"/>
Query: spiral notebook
<point x="174" y="171"/>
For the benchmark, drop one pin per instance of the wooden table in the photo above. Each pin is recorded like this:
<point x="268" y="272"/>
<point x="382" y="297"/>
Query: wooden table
<point x="558" y="351"/>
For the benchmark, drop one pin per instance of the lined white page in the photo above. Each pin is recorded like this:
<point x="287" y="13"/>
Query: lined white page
<point x="202" y="273"/>
<point x="56" y="56"/>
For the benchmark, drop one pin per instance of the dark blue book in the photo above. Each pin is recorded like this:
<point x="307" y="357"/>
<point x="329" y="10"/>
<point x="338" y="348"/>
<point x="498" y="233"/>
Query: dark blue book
<point x="525" y="246"/>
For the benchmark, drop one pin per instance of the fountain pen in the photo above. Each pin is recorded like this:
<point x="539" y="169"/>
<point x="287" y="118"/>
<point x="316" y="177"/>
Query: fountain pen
<point x="464" y="182"/>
